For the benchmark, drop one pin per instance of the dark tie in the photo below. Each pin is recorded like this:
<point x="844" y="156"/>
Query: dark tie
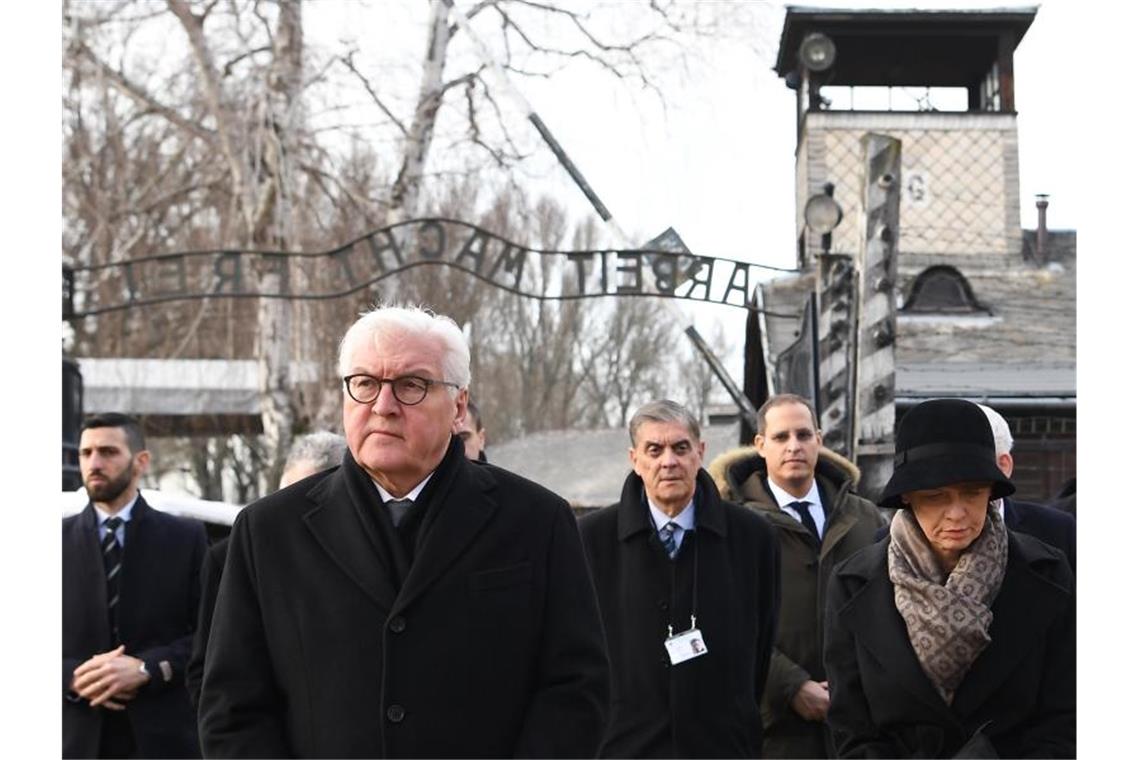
<point x="113" y="565"/>
<point x="801" y="508"/>
<point x="667" y="539"/>
<point x="398" y="508"/>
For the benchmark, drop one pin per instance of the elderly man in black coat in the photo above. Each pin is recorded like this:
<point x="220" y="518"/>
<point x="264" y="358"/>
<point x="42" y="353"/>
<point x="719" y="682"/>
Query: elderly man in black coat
<point x="410" y="603"/>
<point x="689" y="588"/>
<point x="1051" y="525"/>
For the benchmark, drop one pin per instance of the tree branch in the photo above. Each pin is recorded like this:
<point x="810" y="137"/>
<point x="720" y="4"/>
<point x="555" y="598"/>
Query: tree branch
<point x="347" y="61"/>
<point x="138" y="94"/>
<point x="227" y="68"/>
<point x="213" y="91"/>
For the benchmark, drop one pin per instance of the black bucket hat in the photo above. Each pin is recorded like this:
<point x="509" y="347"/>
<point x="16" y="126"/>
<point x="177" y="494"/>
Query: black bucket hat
<point x="940" y="442"/>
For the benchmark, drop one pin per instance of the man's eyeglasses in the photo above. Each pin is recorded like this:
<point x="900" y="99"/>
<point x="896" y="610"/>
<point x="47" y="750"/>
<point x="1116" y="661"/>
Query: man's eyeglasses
<point x="409" y="390"/>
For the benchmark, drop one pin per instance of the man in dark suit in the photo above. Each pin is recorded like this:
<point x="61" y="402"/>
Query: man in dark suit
<point x="130" y="600"/>
<point x="410" y="602"/>
<point x="309" y="454"/>
<point x="807" y="494"/>
<point x="1054" y="527"/>
<point x="689" y="587"/>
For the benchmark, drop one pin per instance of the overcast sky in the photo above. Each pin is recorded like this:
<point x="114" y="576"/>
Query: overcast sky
<point x="717" y="162"/>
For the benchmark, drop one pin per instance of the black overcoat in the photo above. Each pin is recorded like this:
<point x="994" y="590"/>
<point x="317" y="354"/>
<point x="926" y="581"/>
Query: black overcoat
<point x="158" y="608"/>
<point x="1051" y="525"/>
<point x="1020" y="692"/>
<point x="493" y="646"/>
<point x="708" y="706"/>
<point x="212" y="567"/>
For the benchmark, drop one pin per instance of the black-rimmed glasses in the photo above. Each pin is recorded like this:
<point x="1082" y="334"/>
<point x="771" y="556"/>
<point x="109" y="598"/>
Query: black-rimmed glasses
<point x="409" y="390"/>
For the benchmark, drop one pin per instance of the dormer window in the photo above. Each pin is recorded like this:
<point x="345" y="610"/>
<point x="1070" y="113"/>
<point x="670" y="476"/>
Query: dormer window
<point x="942" y="290"/>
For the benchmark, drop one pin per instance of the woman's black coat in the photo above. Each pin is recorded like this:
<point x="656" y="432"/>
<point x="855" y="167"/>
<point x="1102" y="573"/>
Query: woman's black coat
<point x="1020" y="692"/>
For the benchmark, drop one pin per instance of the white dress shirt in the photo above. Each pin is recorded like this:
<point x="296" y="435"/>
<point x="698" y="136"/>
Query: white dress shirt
<point x="123" y="514"/>
<point x="411" y="496"/>
<point x="815" y="508"/>
<point x="686" y="519"/>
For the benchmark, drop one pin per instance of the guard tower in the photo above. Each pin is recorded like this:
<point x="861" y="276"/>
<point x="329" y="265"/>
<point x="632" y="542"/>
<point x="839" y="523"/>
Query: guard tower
<point x="908" y="222"/>
<point x="942" y="82"/>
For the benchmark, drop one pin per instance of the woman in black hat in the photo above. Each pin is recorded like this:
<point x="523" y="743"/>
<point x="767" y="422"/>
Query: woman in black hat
<point x="951" y="637"/>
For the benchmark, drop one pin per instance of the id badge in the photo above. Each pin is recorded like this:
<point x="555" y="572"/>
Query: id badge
<point x="685" y="646"/>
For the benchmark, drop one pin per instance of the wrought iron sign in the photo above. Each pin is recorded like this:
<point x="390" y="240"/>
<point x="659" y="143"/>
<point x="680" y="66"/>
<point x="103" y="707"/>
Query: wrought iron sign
<point x="96" y="289"/>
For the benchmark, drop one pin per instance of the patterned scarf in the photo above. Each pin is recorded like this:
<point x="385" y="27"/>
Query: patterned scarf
<point x="947" y="618"/>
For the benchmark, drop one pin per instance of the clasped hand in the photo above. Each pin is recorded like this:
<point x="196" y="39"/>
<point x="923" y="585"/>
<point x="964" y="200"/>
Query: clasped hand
<point x="109" y="679"/>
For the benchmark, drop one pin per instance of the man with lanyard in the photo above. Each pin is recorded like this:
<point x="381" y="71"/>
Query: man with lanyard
<point x="689" y="588"/>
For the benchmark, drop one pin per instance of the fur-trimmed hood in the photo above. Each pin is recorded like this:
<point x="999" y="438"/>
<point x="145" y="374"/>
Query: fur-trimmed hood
<point x="733" y="467"/>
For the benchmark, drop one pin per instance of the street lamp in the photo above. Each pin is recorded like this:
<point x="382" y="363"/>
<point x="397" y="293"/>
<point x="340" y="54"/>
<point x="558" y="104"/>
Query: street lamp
<point x="822" y="214"/>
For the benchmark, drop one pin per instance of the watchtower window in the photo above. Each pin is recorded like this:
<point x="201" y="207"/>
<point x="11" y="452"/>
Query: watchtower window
<point x="942" y="290"/>
<point x="865" y="98"/>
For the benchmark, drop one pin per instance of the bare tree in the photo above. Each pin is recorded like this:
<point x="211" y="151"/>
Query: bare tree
<point x="194" y="125"/>
<point x="696" y="378"/>
<point x="624" y="357"/>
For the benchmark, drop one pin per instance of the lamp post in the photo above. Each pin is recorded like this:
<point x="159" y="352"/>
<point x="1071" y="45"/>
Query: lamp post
<point x="833" y="343"/>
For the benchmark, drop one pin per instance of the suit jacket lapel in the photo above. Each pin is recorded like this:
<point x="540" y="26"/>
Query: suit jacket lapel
<point x="335" y="526"/>
<point x="85" y="541"/>
<point x="876" y="625"/>
<point x="1027" y="603"/>
<point x="465" y="506"/>
<point x="139" y="554"/>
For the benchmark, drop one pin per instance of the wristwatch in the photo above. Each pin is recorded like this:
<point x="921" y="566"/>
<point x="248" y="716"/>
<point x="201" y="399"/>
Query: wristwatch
<point x="143" y="670"/>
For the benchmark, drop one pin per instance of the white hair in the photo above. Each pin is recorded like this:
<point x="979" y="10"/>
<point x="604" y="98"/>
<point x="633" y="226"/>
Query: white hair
<point x="1003" y="439"/>
<point x="320" y="449"/>
<point x="411" y="320"/>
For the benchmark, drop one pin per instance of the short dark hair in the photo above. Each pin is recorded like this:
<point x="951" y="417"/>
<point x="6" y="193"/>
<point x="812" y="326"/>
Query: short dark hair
<point x="129" y="425"/>
<point x="473" y="413"/>
<point x="778" y="400"/>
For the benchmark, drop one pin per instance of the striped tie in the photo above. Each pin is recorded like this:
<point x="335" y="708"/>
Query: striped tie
<point x="113" y="564"/>
<point x="667" y="540"/>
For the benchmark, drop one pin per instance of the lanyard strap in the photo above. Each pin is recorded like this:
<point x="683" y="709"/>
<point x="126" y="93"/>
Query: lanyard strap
<point x="693" y="608"/>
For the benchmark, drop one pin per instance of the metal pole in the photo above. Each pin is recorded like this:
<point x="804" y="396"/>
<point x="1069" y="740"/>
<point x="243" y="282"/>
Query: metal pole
<point x="747" y="411"/>
<point x="504" y="84"/>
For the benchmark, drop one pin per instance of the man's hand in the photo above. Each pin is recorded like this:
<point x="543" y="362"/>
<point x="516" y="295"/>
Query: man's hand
<point x="812" y="700"/>
<point x="109" y="679"/>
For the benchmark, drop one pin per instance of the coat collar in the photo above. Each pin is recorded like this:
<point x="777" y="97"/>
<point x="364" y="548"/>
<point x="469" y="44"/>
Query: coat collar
<point x="140" y="512"/>
<point x="465" y="505"/>
<point x="833" y="489"/>
<point x="871" y="616"/>
<point x="1028" y="602"/>
<point x="633" y="515"/>
<point x="335" y="526"/>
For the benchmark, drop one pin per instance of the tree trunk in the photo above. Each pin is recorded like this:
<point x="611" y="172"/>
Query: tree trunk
<point x="274" y="225"/>
<point x="405" y="193"/>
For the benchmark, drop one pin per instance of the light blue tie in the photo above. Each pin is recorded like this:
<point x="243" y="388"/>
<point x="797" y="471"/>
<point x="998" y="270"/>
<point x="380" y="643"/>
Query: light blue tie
<point x="667" y="539"/>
